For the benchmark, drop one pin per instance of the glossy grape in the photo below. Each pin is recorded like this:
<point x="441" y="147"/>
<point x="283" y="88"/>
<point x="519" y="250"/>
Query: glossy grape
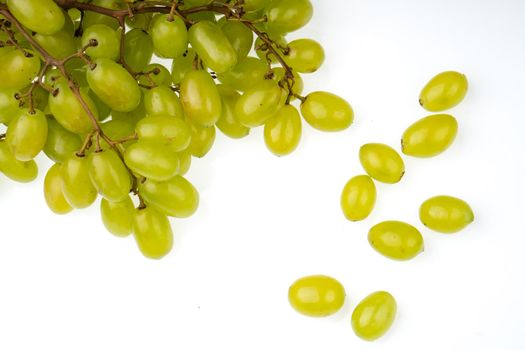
<point x="118" y="216"/>
<point x="176" y="197"/>
<point x="53" y="191"/>
<point x="200" y="98"/>
<point x="8" y="104"/>
<point x="60" y="143"/>
<point x="228" y="123"/>
<point x="283" y="131"/>
<point x="327" y="112"/>
<point x="382" y="162"/>
<point x="152" y="232"/>
<point x="109" y="175"/>
<point x="161" y="100"/>
<point x="429" y="136"/>
<point x="132" y="117"/>
<point x="184" y="162"/>
<point x="41" y="16"/>
<point x="374" y="315"/>
<point x="27" y="133"/>
<point x="160" y="76"/>
<point x="396" y="240"/>
<point x="446" y="214"/>
<point x="91" y="18"/>
<point x="76" y="182"/>
<point x="358" y="198"/>
<point x="245" y="74"/>
<point x="182" y="65"/>
<point x="443" y="91"/>
<point x="239" y="36"/>
<point x="152" y="160"/>
<point x="15" y="169"/>
<point x="202" y="139"/>
<point x="107" y="39"/>
<point x="138" y="49"/>
<point x="317" y="295"/>
<point x="60" y="45"/>
<point x="166" y="130"/>
<point x="16" y="69"/>
<point x="286" y="16"/>
<point x="170" y="38"/>
<point x="259" y="103"/>
<point x="305" y="55"/>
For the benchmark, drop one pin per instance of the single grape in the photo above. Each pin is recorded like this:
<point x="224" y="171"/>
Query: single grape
<point x="152" y="160"/>
<point x="202" y="139"/>
<point x="443" y="91"/>
<point x="358" y="198"/>
<point x="139" y="21"/>
<point x="327" y="112"/>
<point x="305" y="55"/>
<point x="170" y="37"/>
<point x="91" y="18"/>
<point x="138" y="49"/>
<point x="60" y="143"/>
<point x="182" y="65"/>
<point x="259" y="103"/>
<point x="382" y="162"/>
<point x="15" y="169"/>
<point x="76" y="182"/>
<point x="228" y="123"/>
<point x="107" y="40"/>
<point x="161" y="100"/>
<point x="374" y="315"/>
<point x="41" y="16"/>
<point x="109" y="175"/>
<point x="245" y="74"/>
<point x="396" y="240"/>
<point x="16" y="68"/>
<point x="118" y="216"/>
<point x="200" y="98"/>
<point x="160" y="76"/>
<point x="8" y="104"/>
<point x="283" y="131"/>
<point x="53" y="191"/>
<point x="445" y="214"/>
<point x="317" y="296"/>
<point x="255" y="5"/>
<point x="286" y="16"/>
<point x="166" y="130"/>
<point x="59" y="45"/>
<point x="132" y="117"/>
<point x="429" y="136"/>
<point x="26" y="134"/>
<point x="152" y="233"/>
<point x="239" y="36"/>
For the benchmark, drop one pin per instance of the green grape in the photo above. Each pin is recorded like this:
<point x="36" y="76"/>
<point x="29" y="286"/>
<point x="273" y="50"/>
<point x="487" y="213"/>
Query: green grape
<point x="202" y="139"/>
<point x="382" y="162"/>
<point x="16" y="69"/>
<point x="77" y="70"/>
<point x="286" y="16"/>
<point x="60" y="143"/>
<point x="68" y="110"/>
<point x="160" y="76"/>
<point x="152" y="233"/>
<point x="90" y="18"/>
<point x="200" y="98"/>
<point x="27" y="133"/>
<point x="118" y="216"/>
<point x="109" y="175"/>
<point x="259" y="103"/>
<point x="132" y="117"/>
<point x="103" y="109"/>
<point x="228" y="123"/>
<point x="443" y="91"/>
<point x="327" y="112"/>
<point x="59" y="45"/>
<point x="116" y="130"/>
<point x="245" y="74"/>
<point x="429" y="136"/>
<point x="152" y="160"/>
<point x="165" y="130"/>
<point x="69" y="25"/>
<point x="374" y="315"/>
<point x="239" y="36"/>
<point x="138" y="49"/>
<point x="305" y="55"/>
<point x="76" y="182"/>
<point x="8" y="104"/>
<point x="358" y="198"/>
<point x="114" y="85"/>
<point x="162" y="101"/>
<point x="282" y="132"/>
<point x="317" y="295"/>
<point x="53" y="191"/>
<point x="445" y="214"/>
<point x="182" y="65"/>
<point x="41" y="16"/>
<point x="255" y="5"/>
<point x="396" y="240"/>
<point x="107" y="39"/>
<point x="40" y="97"/>
<point x="139" y="21"/>
<point x="176" y="197"/>
<point x="264" y="55"/>
<point x="184" y="162"/>
<point x="15" y="169"/>
<point x="298" y="86"/>
<point x="170" y="38"/>
<point x="202" y="16"/>
<point x="212" y="46"/>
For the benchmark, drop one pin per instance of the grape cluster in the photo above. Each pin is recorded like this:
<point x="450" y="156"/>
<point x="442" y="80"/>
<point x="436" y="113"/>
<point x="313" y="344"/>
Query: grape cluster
<point x="78" y="84"/>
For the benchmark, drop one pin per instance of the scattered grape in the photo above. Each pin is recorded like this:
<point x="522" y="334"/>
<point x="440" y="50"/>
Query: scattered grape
<point x="445" y="214"/>
<point x="382" y="162"/>
<point x="358" y="198"/>
<point x="396" y="240"/>
<point x="317" y="296"/>
<point x="429" y="136"/>
<point x="443" y="91"/>
<point x="374" y="315"/>
<point x="327" y="112"/>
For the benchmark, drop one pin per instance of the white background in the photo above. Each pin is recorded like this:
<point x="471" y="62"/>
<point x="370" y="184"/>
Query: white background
<point x="65" y="283"/>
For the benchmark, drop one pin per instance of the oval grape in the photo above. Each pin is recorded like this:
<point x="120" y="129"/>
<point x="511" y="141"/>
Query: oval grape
<point x="358" y="198"/>
<point x="429" y="136"/>
<point x="317" y="295"/>
<point x="444" y="91"/>
<point x="396" y="240"/>
<point x="374" y="315"/>
<point x="446" y="214"/>
<point x="382" y="162"/>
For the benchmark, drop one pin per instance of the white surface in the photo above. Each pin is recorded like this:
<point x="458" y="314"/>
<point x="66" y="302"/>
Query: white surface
<point x="65" y="283"/>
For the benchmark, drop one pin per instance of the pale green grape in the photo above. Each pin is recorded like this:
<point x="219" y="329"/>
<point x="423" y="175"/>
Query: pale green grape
<point x="15" y="169"/>
<point x="382" y="162"/>
<point x="239" y="36"/>
<point x="184" y="162"/>
<point x="245" y="74"/>
<point x="255" y="5"/>
<point x="118" y="216"/>
<point x="41" y="16"/>
<point x="152" y="160"/>
<point x="200" y="98"/>
<point x="445" y="214"/>
<point x="396" y="240"/>
<point x="107" y="39"/>
<point x="16" y="69"/>
<point x="170" y="38"/>
<point x="59" y="45"/>
<point x="327" y="112"/>
<point x="152" y="232"/>
<point x="444" y="91"/>
<point x="305" y="55"/>
<point x="162" y="101"/>
<point x="76" y="182"/>
<point x="109" y="175"/>
<point x="374" y="315"/>
<point x="90" y="18"/>
<point x="132" y="117"/>
<point x="358" y="198"/>
<point x="259" y="103"/>
<point x="166" y="130"/>
<point x="103" y="110"/>
<point x="429" y="136"/>
<point x="317" y="295"/>
<point x="8" y="104"/>
<point x="53" y="191"/>
<point x="27" y="133"/>
<point x="60" y="143"/>
<point x="160" y="76"/>
<point x="202" y="139"/>
<point x="286" y="16"/>
<point x="116" y="130"/>
<point x="228" y="123"/>
<point x="139" y="21"/>
<point x="283" y="131"/>
<point x="182" y="65"/>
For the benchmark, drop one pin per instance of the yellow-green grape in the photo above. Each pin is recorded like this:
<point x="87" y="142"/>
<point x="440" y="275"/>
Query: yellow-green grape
<point x="182" y="65"/>
<point x="109" y="175"/>
<point x="283" y="131"/>
<point x="16" y="68"/>
<point x="176" y="197"/>
<point x="170" y="36"/>
<point x="245" y="74"/>
<point x="68" y="110"/>
<point x="261" y="48"/>
<point x="374" y="315"/>
<point x="396" y="240"/>
<point x="114" y="85"/>
<point x="305" y="55"/>
<point x="152" y="232"/>
<point x="228" y="123"/>
<point x="239" y="36"/>
<point x="184" y="162"/>
<point x="59" y="45"/>
<point x="138" y="49"/>
<point x="117" y="130"/>
<point x="132" y="117"/>
<point x="152" y="160"/>
<point x="8" y="104"/>
<point x="443" y="91"/>
<point x="27" y="133"/>
<point x="165" y="130"/>
<point x="76" y="182"/>
<point x="53" y="191"/>
<point x="161" y="100"/>
<point x="445" y="214"/>
<point x="358" y="198"/>
<point x="41" y="16"/>
<point x="255" y="5"/>
<point x="327" y="112"/>
<point x="90" y="18"/>
<point x="286" y="16"/>
<point x="103" y="110"/>
<point x="160" y="75"/>
<point x="200" y="98"/>
<point x="429" y="136"/>
<point x="212" y="46"/>
<point x="77" y="70"/>
<point x="202" y="139"/>
<point x="107" y="42"/>
<point x="298" y="86"/>
<point x="15" y="169"/>
<point x="382" y="162"/>
<point x="259" y="103"/>
<point x="317" y="295"/>
<point x="118" y="216"/>
<point x="60" y="143"/>
<point x="139" y="21"/>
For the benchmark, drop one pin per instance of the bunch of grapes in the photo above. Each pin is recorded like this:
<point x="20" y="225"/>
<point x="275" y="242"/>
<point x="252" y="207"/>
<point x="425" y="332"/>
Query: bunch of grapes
<point x="77" y="82"/>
